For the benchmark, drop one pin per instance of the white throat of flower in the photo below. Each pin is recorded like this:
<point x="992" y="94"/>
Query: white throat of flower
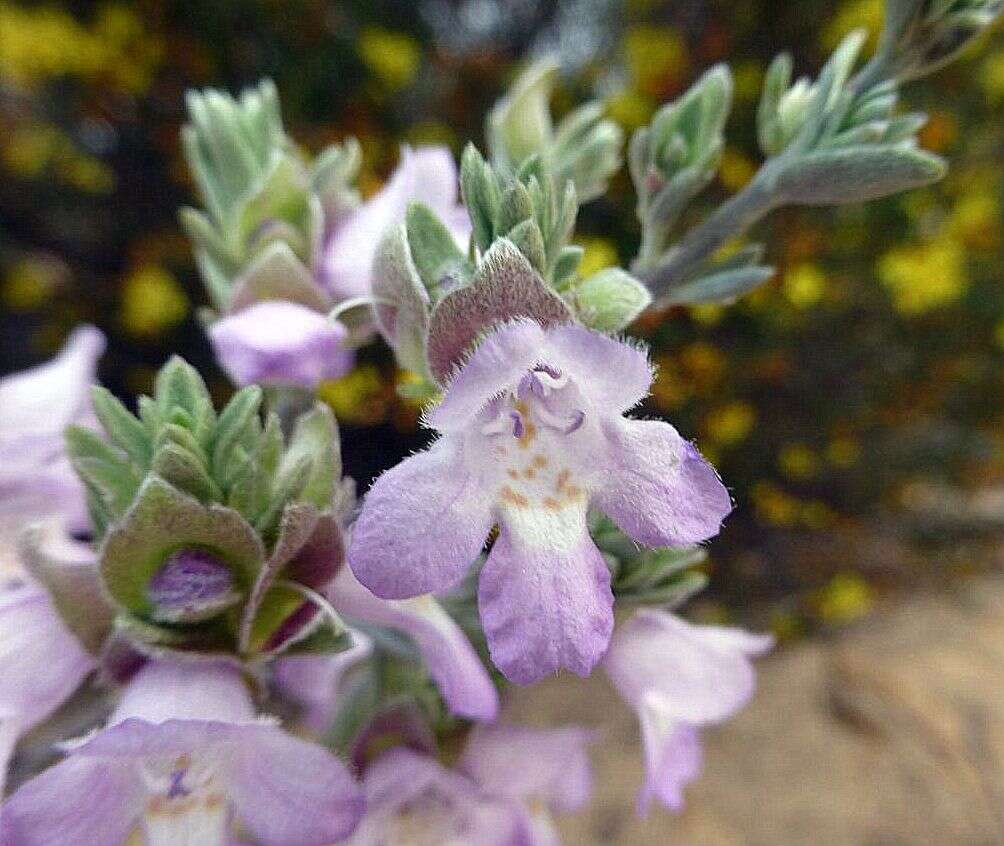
<point x="540" y="438"/>
<point x="185" y="805"/>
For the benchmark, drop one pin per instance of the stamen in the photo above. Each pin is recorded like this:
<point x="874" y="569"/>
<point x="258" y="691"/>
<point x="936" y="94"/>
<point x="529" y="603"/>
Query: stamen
<point x="176" y="788"/>
<point x="577" y="420"/>
<point x="517" y="424"/>
<point x="565" y="425"/>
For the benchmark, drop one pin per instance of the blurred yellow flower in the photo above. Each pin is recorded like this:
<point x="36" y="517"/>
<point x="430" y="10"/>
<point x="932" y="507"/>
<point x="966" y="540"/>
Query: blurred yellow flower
<point x="704" y="363"/>
<point x="30" y="283"/>
<point x="152" y="301"/>
<point x="925" y="276"/>
<point x="599" y="253"/>
<point x="773" y="505"/>
<point x="817" y="515"/>
<point x="736" y="169"/>
<point x="748" y="77"/>
<point x="393" y="57"/>
<point x="847" y="597"/>
<point x="670" y="390"/>
<point x="359" y="397"/>
<point x="976" y="220"/>
<point x="731" y="424"/>
<point x="992" y="76"/>
<point x="656" y="57"/>
<point x="45" y="42"/>
<point x="798" y="461"/>
<point x="843" y="451"/>
<point x="804" y="285"/>
<point x="32" y="149"/>
<point x="852" y="15"/>
<point x="630" y="108"/>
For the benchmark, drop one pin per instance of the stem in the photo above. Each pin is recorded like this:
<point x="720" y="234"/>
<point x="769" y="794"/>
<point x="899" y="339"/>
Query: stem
<point x="732" y="218"/>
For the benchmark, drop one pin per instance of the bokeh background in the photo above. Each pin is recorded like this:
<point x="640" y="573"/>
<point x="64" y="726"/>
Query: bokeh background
<point x="855" y="404"/>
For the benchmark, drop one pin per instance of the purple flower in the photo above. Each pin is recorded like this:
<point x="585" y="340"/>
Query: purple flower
<point x="41" y="662"/>
<point x="447" y="654"/>
<point x="492" y="798"/>
<point x="36" y="406"/>
<point x="533" y="435"/>
<point x="427" y="175"/>
<point x="183" y="759"/>
<point x="280" y="343"/>
<point x="679" y="677"/>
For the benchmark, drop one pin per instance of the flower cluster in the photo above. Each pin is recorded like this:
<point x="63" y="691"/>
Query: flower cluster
<point x="259" y="658"/>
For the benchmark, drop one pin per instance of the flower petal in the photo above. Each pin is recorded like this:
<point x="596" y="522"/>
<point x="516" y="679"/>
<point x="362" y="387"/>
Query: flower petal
<point x="41" y="663"/>
<point x="428" y="175"/>
<point x="289" y="792"/>
<point x="175" y="690"/>
<point x="497" y="364"/>
<point x="282" y="343"/>
<point x="660" y="491"/>
<point x="438" y="806"/>
<point x="448" y="655"/>
<point x="614" y="375"/>
<point x="673" y="759"/>
<point x="423" y="522"/>
<point x="545" y="599"/>
<point x="47" y="398"/>
<point x="80" y="800"/>
<point x="496" y="758"/>
<point x="699" y="676"/>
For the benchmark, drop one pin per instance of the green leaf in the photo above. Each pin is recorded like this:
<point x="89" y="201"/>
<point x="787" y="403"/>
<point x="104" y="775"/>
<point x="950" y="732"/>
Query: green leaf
<point x="480" y="193"/>
<point x="124" y="430"/>
<point x="185" y="471"/>
<point x="514" y="207"/>
<point x="179" y="386"/>
<point x="566" y="264"/>
<point x="610" y="299"/>
<point x="433" y="249"/>
<point x="724" y="286"/>
<point x="528" y="240"/>
<point x="232" y="425"/>
<point x="402" y="300"/>
<point x="855" y="175"/>
<point x="314" y="438"/>
<point x="69" y="573"/>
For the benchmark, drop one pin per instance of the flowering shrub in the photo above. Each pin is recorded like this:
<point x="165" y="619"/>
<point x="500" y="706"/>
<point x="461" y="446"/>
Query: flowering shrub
<point x="226" y="589"/>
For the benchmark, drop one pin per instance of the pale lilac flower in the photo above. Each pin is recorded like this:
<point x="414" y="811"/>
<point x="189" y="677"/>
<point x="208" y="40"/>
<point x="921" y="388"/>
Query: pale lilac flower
<point x="559" y="779"/>
<point x="276" y="342"/>
<point x="679" y="677"/>
<point x="313" y="680"/>
<point x="427" y="175"/>
<point x="506" y="784"/>
<point x="36" y="406"/>
<point x="533" y="435"/>
<point x="41" y="662"/>
<point x="446" y="652"/>
<point x="184" y="760"/>
<point x="277" y="330"/>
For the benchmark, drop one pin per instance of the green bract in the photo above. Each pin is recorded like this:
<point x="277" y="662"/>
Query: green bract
<point x="583" y="150"/>
<point x="225" y="494"/>
<point x="267" y="207"/>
